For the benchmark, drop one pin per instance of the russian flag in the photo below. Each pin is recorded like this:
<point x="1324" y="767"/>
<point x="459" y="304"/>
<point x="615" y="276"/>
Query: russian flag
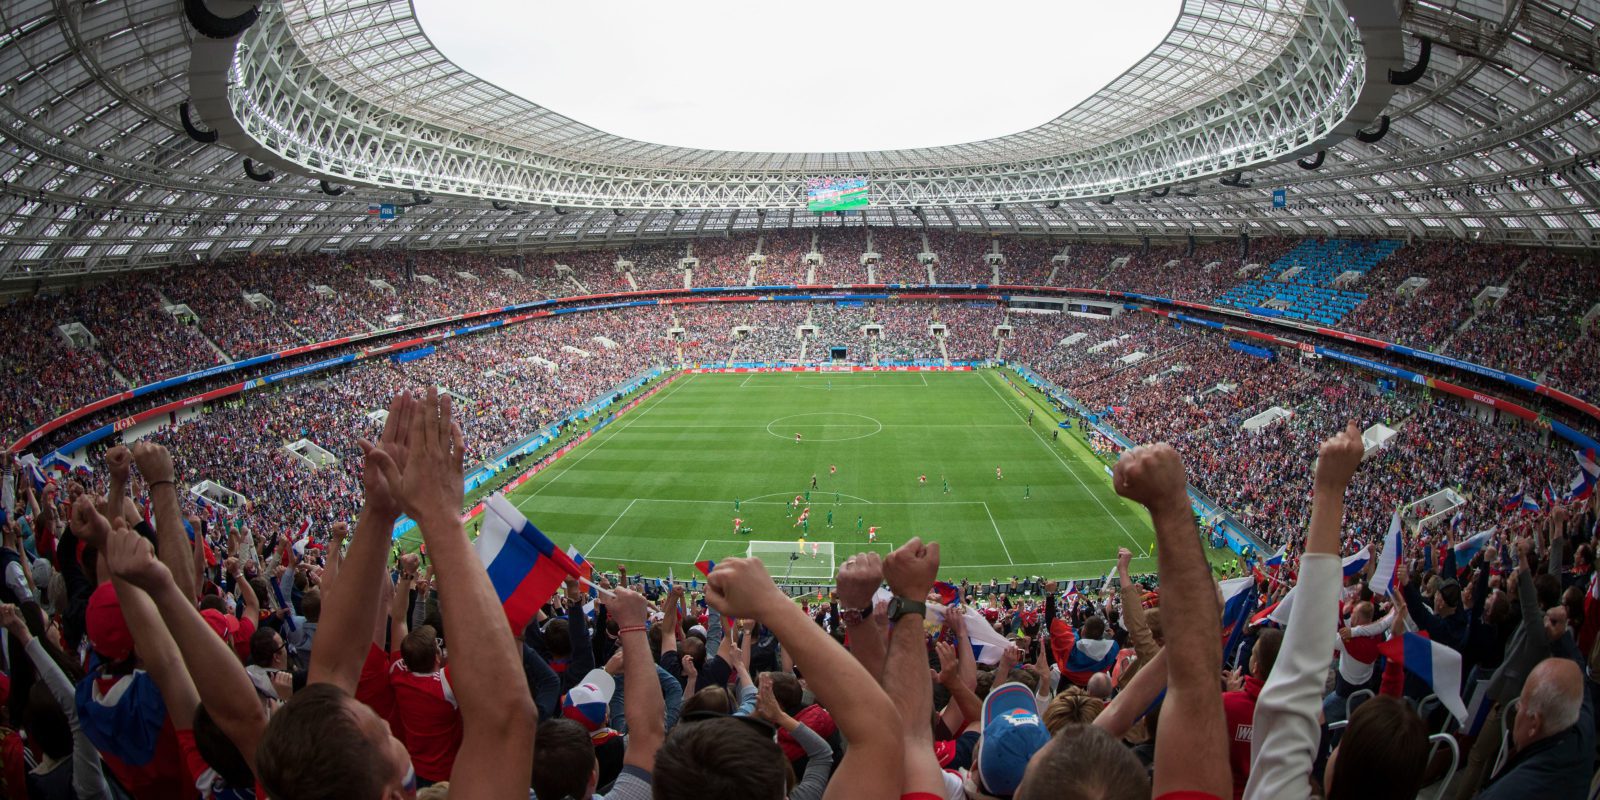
<point x="1357" y="561"/>
<point x="1276" y="559"/>
<point x="522" y="562"/>
<point x="705" y="567"/>
<point x="948" y="593"/>
<point x="1582" y="486"/>
<point x="987" y="644"/>
<point x="1529" y="505"/>
<point x="1238" y="601"/>
<point x="1277" y="613"/>
<point x="30" y="467"/>
<point x="1471" y="546"/>
<point x="1437" y="665"/>
<point x="1382" y="581"/>
<point x="1513" y="502"/>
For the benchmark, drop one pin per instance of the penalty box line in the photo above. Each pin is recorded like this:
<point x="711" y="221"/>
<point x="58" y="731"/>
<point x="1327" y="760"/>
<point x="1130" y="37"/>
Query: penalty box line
<point x="593" y="549"/>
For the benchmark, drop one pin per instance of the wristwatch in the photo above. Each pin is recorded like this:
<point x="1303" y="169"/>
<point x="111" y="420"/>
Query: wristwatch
<point x="900" y="606"/>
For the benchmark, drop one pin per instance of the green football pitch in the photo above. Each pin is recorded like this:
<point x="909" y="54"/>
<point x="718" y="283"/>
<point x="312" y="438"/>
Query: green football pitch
<point x="655" y="490"/>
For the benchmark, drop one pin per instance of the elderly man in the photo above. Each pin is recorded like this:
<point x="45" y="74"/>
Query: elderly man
<point x="1553" y="732"/>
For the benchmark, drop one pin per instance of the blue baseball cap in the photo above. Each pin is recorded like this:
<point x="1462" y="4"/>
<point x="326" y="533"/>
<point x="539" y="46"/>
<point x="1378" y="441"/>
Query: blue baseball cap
<point x="1012" y="733"/>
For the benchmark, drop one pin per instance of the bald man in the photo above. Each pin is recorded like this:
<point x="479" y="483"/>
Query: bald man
<point x="1099" y="686"/>
<point x="1553" y="732"/>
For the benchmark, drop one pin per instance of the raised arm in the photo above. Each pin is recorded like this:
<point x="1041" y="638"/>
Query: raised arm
<point x="866" y="716"/>
<point x="911" y="570"/>
<point x="155" y="646"/>
<point x="1287" y="726"/>
<point x="645" y="706"/>
<point x="118" y="462"/>
<point x="496" y="754"/>
<point x="218" y="676"/>
<point x="963" y="700"/>
<point x="350" y="604"/>
<point x="859" y="578"/>
<point x="1191" y="744"/>
<point x="175" y="549"/>
<point x="1136" y="698"/>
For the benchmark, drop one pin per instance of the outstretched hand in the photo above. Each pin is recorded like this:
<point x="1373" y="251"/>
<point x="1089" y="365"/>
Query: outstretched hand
<point x="429" y="485"/>
<point x="385" y="460"/>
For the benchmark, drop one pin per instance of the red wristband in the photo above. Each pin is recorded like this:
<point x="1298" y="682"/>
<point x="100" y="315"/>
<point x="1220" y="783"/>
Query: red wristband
<point x="631" y="629"/>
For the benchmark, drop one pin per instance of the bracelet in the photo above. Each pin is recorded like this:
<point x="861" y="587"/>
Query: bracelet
<point x="631" y="629"/>
<point x="154" y="484"/>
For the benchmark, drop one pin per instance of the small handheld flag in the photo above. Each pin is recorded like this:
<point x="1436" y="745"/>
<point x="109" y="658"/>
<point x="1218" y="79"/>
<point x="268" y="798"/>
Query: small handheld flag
<point x="705" y="567"/>
<point x="1435" y="664"/>
<point x="1357" y="561"/>
<point x="1383" y="577"/>
<point x="521" y="561"/>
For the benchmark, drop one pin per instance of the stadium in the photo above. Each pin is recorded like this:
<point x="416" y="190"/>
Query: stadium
<point x="683" y="317"/>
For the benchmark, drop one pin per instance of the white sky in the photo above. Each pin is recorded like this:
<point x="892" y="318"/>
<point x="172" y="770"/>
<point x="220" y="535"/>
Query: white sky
<point x="808" y="77"/>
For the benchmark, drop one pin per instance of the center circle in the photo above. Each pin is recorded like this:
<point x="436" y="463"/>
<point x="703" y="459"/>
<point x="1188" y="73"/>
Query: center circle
<point x="825" y="426"/>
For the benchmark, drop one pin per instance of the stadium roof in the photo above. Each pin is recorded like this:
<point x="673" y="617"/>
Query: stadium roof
<point x="100" y="171"/>
<point x="735" y="75"/>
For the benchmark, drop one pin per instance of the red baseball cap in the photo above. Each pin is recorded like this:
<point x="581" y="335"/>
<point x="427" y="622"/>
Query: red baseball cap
<point x="225" y="625"/>
<point x="107" y="628"/>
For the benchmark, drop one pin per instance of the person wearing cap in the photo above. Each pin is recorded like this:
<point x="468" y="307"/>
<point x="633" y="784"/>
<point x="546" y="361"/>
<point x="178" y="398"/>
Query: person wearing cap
<point x="572" y="751"/>
<point x="1013" y="732"/>
<point x="132" y="704"/>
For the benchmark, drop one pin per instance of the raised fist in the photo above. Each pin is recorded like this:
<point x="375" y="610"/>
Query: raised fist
<point x="1339" y="457"/>
<point x="1153" y="476"/>
<point x="155" y="463"/>
<point x="118" y="461"/>
<point x="912" y="568"/>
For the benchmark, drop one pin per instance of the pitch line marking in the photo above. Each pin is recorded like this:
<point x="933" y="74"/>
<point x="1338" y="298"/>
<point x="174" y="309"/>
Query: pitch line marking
<point x="1068" y="467"/>
<point x="597" y="445"/>
<point x="997" y="531"/>
<point x="873" y="420"/>
<point x="613" y="524"/>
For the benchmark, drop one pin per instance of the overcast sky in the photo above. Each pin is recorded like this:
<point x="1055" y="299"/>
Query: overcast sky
<point x="758" y="75"/>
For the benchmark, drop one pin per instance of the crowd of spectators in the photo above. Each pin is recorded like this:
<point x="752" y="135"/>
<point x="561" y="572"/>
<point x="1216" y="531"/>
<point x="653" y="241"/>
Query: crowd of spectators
<point x="897" y="249"/>
<point x="147" y="662"/>
<point x="785" y="252"/>
<point x="841" y="248"/>
<point x="724" y="261"/>
<point x="960" y="256"/>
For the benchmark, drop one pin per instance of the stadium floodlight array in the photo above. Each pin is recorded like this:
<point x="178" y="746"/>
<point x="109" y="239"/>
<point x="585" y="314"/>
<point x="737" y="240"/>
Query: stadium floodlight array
<point x="796" y="560"/>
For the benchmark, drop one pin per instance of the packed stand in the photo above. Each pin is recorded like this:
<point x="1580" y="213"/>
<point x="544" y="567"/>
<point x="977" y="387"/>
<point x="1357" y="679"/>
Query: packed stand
<point x="898" y="249"/>
<point x="785" y="252"/>
<point x="773" y="335"/>
<point x="841" y="249"/>
<point x="241" y="329"/>
<point x="1456" y="274"/>
<point x="960" y="257"/>
<point x="969" y="329"/>
<point x="904" y="334"/>
<point x="724" y="262"/>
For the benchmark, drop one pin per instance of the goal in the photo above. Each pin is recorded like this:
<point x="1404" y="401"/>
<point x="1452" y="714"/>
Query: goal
<point x="810" y="561"/>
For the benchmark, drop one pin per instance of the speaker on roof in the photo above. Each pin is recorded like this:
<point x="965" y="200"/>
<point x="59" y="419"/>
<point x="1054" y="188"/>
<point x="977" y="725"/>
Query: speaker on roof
<point x="203" y="137"/>
<point x="1244" y="245"/>
<point x="330" y="189"/>
<point x="1313" y="162"/>
<point x="212" y="26"/>
<point x="263" y="176"/>
<point x="1162" y="192"/>
<point x="1375" y="136"/>
<point x="1407" y="77"/>
<point x="1190" y="252"/>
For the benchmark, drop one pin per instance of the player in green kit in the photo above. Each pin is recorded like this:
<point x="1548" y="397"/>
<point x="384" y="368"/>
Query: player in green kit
<point x="830" y="517"/>
<point x="946" y="485"/>
<point x="836" y="498"/>
<point x="859" y="523"/>
<point x="805" y="527"/>
<point x="735" y="504"/>
<point x="1027" y="492"/>
<point x="808" y="496"/>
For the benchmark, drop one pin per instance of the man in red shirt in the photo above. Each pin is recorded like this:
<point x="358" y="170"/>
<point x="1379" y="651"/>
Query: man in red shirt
<point x="1239" y="706"/>
<point x="423" y="698"/>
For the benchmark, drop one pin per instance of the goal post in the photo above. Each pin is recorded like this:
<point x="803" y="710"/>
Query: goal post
<point x="794" y="560"/>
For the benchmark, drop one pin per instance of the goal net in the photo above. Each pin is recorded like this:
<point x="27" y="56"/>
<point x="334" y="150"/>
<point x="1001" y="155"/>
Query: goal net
<point x="807" y="561"/>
